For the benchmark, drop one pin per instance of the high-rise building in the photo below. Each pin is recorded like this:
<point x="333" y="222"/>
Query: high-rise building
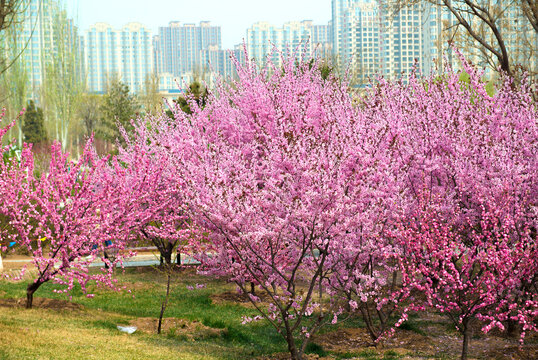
<point x="220" y="61"/>
<point x="302" y="38"/>
<point x="179" y="47"/>
<point x="37" y="36"/>
<point x="342" y="29"/>
<point x="372" y="40"/>
<point x="360" y="39"/>
<point x="408" y="38"/>
<point x="125" y="54"/>
<point x="45" y="32"/>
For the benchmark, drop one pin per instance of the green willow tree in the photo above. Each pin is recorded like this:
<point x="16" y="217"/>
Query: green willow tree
<point x="151" y="100"/>
<point x="14" y="79"/>
<point x="11" y="15"/>
<point x="89" y="112"/>
<point x="63" y="83"/>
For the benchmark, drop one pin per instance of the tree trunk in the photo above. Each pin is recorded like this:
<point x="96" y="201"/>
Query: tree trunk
<point x="168" y="258"/>
<point x="466" y="339"/>
<point x="165" y="301"/>
<point x="295" y="354"/>
<point x="511" y="328"/>
<point x="178" y="258"/>
<point x="106" y="257"/>
<point x="30" y="290"/>
<point x="252" y="288"/>
<point x="166" y="255"/>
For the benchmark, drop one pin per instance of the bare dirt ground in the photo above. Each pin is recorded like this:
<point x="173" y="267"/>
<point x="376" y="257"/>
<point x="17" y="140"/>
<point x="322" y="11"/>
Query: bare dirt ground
<point x="233" y="297"/>
<point x="41" y="303"/>
<point x="409" y="345"/>
<point x="434" y="337"/>
<point x="437" y="344"/>
<point x="191" y="330"/>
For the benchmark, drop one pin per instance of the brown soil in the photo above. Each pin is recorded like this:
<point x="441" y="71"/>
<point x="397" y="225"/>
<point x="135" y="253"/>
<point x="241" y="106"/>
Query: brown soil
<point x="344" y="340"/>
<point x="230" y="296"/>
<point x="41" y="303"/>
<point x="440" y="339"/>
<point x="286" y="356"/>
<point x="438" y="342"/>
<point x="233" y="297"/>
<point x="191" y="330"/>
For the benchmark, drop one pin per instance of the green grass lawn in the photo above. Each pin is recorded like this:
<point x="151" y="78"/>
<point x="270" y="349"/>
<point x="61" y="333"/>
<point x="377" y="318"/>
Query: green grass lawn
<point x="89" y="331"/>
<point x="92" y="333"/>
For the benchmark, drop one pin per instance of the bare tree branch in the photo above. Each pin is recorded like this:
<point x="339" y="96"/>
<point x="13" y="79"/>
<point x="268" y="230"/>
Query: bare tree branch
<point x="501" y="32"/>
<point x="530" y="10"/>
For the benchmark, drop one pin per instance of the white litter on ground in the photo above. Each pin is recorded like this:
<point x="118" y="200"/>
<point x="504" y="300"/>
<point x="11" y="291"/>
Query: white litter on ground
<point x="127" y="329"/>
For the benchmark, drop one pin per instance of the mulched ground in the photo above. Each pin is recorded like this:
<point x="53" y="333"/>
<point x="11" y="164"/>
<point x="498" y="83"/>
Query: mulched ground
<point x="436" y="339"/>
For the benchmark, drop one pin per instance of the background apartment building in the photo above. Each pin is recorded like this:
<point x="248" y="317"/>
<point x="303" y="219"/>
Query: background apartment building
<point x="43" y="38"/>
<point x="124" y="53"/>
<point x="220" y="61"/>
<point x="179" y="46"/>
<point x="302" y="37"/>
<point x="372" y="39"/>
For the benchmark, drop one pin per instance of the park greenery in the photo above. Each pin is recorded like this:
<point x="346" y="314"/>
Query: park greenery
<point x="419" y="196"/>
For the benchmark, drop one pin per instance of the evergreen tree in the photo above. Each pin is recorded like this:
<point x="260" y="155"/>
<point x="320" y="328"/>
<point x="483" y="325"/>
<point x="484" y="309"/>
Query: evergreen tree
<point x="118" y="107"/>
<point x="196" y="92"/>
<point x="33" y="126"/>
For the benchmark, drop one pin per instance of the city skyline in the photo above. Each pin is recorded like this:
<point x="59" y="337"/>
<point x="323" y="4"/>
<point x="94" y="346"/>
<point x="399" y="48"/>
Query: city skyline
<point x="361" y="35"/>
<point x="233" y="16"/>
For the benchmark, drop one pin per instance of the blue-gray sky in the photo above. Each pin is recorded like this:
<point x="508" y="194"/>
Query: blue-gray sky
<point x="234" y="16"/>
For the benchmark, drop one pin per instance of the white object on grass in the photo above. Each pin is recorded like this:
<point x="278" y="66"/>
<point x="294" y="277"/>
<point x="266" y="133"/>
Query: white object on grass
<point x="127" y="329"/>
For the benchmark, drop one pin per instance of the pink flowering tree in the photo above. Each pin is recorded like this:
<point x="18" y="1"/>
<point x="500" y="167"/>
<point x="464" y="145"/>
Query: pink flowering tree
<point x="368" y="283"/>
<point x="76" y="213"/>
<point x="57" y="217"/>
<point x="282" y="172"/>
<point x="146" y="170"/>
<point x="365" y="276"/>
<point x="467" y="271"/>
<point x="469" y="158"/>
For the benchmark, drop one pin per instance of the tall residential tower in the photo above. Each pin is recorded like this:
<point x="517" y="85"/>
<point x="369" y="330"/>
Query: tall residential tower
<point x="125" y="53"/>
<point x="305" y="38"/>
<point x="179" y="47"/>
<point x="372" y="39"/>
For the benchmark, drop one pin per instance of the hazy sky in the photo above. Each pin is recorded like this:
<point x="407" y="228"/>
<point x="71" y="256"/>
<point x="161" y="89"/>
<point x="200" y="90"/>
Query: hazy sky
<point x="234" y="16"/>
